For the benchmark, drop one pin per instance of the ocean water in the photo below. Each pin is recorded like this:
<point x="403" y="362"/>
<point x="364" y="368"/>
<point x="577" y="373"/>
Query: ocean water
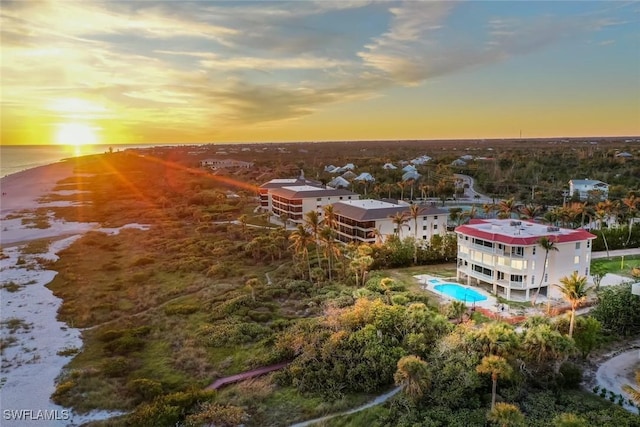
<point x="16" y="158"/>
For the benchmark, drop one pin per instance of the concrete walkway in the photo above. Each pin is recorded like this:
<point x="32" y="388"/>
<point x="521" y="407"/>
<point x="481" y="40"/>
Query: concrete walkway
<point x="617" y="252"/>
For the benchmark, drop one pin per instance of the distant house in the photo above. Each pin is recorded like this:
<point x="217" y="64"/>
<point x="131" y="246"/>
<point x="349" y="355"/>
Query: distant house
<point x="349" y="175"/>
<point x="458" y="162"/>
<point x="421" y="160"/>
<point x="411" y="175"/>
<point x="364" y="176"/>
<point x="339" y="182"/>
<point x="505" y="255"/>
<point x="216" y="164"/>
<point x="409" y="168"/>
<point x="330" y="168"/>
<point x="588" y="187"/>
<point x="389" y="166"/>
<point x="624" y="155"/>
<point x="361" y="220"/>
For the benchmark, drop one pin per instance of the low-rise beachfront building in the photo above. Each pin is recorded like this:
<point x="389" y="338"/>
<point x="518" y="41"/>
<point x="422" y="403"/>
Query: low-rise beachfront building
<point x="264" y="189"/>
<point x="216" y="164"/>
<point x="371" y="220"/>
<point x="506" y="255"/>
<point x="293" y="202"/>
<point x="586" y="188"/>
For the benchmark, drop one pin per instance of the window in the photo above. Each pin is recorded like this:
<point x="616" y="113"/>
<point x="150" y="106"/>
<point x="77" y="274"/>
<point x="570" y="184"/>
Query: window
<point x="517" y="250"/>
<point x="534" y="250"/>
<point x="577" y="245"/>
<point x="435" y="217"/>
<point x="500" y="275"/>
<point x="435" y="226"/>
<point x="588" y="243"/>
<point x="546" y="278"/>
<point x="319" y="199"/>
<point x="533" y="280"/>
<point x="516" y="278"/>
<point x="576" y="259"/>
<point x="586" y="271"/>
<point x="424" y="227"/>
<point x="340" y="197"/>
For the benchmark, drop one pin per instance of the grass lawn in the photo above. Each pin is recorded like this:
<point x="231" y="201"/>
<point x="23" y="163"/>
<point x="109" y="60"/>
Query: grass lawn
<point x="619" y="265"/>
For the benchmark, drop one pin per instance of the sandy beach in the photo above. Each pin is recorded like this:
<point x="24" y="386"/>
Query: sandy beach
<point x="31" y="361"/>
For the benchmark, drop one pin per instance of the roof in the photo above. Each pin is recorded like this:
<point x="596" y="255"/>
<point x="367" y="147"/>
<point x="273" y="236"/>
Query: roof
<point x="513" y="232"/>
<point x="591" y="182"/>
<point x="410" y="175"/>
<point x="370" y="209"/>
<point x="283" y="182"/>
<point x="339" y="181"/>
<point x="306" y="191"/>
<point x="364" y="176"/>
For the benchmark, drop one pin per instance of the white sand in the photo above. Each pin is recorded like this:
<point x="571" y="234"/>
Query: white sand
<point x="31" y="365"/>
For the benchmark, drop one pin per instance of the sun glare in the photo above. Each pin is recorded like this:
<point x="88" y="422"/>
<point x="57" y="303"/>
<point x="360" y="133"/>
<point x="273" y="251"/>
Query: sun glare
<point x="76" y="134"/>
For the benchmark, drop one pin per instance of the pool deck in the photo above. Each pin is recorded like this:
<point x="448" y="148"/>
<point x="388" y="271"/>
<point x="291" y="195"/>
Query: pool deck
<point x="491" y="303"/>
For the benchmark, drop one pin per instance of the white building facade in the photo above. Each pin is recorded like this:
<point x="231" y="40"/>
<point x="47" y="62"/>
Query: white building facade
<point x="586" y="188"/>
<point x="370" y="220"/>
<point x="506" y="255"/>
<point x="293" y="202"/>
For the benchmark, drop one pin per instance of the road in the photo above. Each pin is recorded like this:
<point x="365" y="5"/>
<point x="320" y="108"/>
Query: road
<point x="470" y="192"/>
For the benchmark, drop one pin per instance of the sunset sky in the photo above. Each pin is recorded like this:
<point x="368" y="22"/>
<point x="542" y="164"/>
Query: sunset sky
<point x="168" y="72"/>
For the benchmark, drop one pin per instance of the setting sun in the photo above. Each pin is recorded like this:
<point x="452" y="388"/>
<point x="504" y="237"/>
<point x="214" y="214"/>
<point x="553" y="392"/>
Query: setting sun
<point x="76" y="134"/>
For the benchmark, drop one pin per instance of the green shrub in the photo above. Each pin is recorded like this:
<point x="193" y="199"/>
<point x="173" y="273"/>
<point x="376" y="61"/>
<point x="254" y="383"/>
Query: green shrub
<point x="61" y="390"/>
<point x="115" y="366"/>
<point x="144" y="389"/>
<point x="570" y="375"/>
<point x="183" y="309"/>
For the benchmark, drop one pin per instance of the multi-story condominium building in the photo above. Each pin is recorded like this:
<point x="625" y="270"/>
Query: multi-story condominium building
<point x="264" y="189"/>
<point x="294" y="201"/>
<point x="586" y="188"/>
<point x="369" y="220"/>
<point x="506" y="255"/>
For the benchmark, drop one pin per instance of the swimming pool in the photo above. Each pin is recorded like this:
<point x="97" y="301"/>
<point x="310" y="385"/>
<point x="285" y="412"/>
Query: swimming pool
<point x="459" y="292"/>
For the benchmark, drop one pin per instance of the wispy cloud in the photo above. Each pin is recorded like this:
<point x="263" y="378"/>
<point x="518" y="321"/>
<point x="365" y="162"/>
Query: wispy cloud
<point x="211" y="64"/>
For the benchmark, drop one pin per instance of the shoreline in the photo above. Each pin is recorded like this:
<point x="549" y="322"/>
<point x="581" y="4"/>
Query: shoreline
<point x="34" y="337"/>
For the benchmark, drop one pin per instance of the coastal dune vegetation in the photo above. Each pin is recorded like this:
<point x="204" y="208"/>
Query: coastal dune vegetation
<point x="213" y="288"/>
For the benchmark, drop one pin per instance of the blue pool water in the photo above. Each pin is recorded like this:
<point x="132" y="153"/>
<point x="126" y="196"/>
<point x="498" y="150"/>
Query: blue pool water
<point x="459" y="292"/>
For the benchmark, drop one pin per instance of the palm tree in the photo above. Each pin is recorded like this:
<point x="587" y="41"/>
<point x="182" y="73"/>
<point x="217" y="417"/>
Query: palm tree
<point x="300" y="239"/>
<point x="548" y="245"/>
<point x="631" y="203"/>
<point x="456" y="310"/>
<point x="399" y="220"/>
<point x="575" y="290"/>
<point x="569" y="419"/>
<point x="497" y="367"/>
<point x="634" y="392"/>
<point x="488" y="209"/>
<point x="329" y="216"/>
<point x="506" y="415"/>
<point x="402" y="184"/>
<point x="312" y="222"/>
<point x="377" y="234"/>
<point x="602" y="213"/>
<point x="327" y="236"/>
<point x="507" y="207"/>
<point x="530" y="211"/>
<point x="413" y="375"/>
<point x="414" y="213"/>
